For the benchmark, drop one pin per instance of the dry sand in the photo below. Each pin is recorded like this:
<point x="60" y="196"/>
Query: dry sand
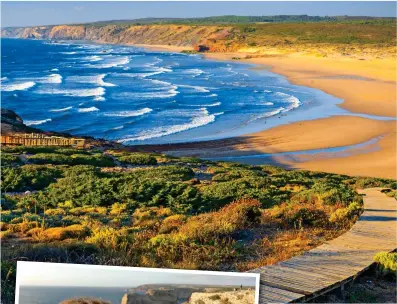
<point x="366" y="86"/>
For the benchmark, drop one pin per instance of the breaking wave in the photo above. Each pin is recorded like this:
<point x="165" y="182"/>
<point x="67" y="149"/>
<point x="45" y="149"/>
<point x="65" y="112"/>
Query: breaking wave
<point x="92" y="79"/>
<point x="129" y="113"/>
<point x="75" y="92"/>
<point x="61" y="110"/>
<point x="36" y="122"/>
<point x="86" y="110"/>
<point x="200" y="120"/>
<point x="17" y="86"/>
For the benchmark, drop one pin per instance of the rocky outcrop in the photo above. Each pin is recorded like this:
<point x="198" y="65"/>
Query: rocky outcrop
<point x="231" y="297"/>
<point x="85" y="301"/>
<point x="209" y="38"/>
<point x="12" y="123"/>
<point x="151" y="297"/>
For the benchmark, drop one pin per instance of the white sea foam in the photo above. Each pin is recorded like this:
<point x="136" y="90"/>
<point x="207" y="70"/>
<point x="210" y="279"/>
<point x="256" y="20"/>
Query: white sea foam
<point x="151" y="95"/>
<point x="268" y="114"/>
<point x="292" y="100"/>
<point x="202" y="119"/>
<point x="215" y="104"/>
<point x="61" y="110"/>
<point x="129" y="113"/>
<point x="75" y="92"/>
<point x="150" y="64"/>
<point x="193" y="72"/>
<point x="196" y="88"/>
<point x="86" y="110"/>
<point x="36" y="122"/>
<point x="211" y="95"/>
<point x="93" y="58"/>
<point x="54" y="70"/>
<point x="117" y="128"/>
<point x="268" y="103"/>
<point x="99" y="98"/>
<point x="111" y="63"/>
<point x="17" y="86"/>
<point x="68" y="53"/>
<point x="92" y="79"/>
<point x="4" y="78"/>
<point x="53" y="78"/>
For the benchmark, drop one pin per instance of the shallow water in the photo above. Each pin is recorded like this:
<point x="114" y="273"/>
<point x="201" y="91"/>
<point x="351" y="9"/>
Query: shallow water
<point x="139" y="96"/>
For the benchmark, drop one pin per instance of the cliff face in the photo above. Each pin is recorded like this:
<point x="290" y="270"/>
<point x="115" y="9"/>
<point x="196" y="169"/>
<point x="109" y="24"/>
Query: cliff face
<point x="212" y="37"/>
<point x="13" y="123"/>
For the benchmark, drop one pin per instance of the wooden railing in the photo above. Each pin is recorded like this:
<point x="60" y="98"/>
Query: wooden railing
<point x="35" y="139"/>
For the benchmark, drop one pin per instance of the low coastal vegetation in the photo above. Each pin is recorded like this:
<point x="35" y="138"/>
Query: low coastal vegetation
<point x="115" y="207"/>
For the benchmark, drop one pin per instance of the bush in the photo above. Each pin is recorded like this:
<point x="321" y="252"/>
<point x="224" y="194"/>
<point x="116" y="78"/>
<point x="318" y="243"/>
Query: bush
<point x="22" y="227"/>
<point x="9" y="160"/>
<point x="297" y="215"/>
<point x="343" y="216"/>
<point x="204" y="227"/>
<point x="62" y="233"/>
<point x="3" y="226"/>
<point x="74" y="159"/>
<point x="172" y="223"/>
<point x="138" y="159"/>
<point x="56" y="211"/>
<point x="118" y="209"/>
<point x="106" y="237"/>
<point x="28" y="177"/>
<point x="386" y="263"/>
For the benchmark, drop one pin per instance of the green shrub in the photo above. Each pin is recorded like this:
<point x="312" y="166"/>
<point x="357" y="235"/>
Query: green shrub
<point x="29" y="149"/>
<point x="386" y="263"/>
<point x="342" y="216"/>
<point x="106" y="237"/>
<point x="56" y="211"/>
<point x="28" y="177"/>
<point x="74" y="159"/>
<point x="9" y="160"/>
<point x="138" y="159"/>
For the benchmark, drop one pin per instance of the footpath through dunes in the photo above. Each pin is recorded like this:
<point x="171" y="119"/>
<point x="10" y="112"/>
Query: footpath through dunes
<point x="336" y="262"/>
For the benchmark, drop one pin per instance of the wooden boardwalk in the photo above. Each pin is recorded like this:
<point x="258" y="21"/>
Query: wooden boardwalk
<point x="336" y="262"/>
<point x="36" y="139"/>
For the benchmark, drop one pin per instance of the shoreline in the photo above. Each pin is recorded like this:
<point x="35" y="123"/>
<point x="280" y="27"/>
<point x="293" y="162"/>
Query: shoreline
<point x="335" y="78"/>
<point x="368" y="88"/>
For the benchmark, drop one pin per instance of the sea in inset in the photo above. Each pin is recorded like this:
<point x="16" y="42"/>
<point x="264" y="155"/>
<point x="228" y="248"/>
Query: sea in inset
<point x="140" y="96"/>
<point x="55" y="294"/>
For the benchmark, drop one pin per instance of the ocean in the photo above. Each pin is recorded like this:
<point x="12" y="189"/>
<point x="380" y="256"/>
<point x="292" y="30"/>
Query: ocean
<point x="139" y="96"/>
<point x="55" y="294"/>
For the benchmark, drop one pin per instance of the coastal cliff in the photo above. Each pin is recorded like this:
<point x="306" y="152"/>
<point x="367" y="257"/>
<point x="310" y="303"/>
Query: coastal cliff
<point x="178" y="35"/>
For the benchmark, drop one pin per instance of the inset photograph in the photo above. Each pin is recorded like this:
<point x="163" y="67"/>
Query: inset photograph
<point x="56" y="283"/>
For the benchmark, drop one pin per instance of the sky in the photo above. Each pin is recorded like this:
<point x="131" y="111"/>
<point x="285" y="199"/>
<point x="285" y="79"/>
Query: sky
<point x="21" y="13"/>
<point x="53" y="274"/>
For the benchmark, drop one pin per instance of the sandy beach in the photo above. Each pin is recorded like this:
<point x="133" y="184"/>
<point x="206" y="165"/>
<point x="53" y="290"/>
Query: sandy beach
<point x="367" y="86"/>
